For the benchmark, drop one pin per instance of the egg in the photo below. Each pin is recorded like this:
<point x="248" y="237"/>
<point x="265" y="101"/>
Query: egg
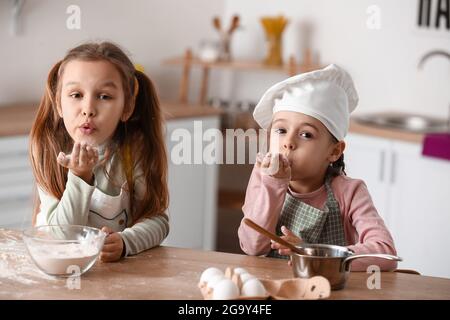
<point x="245" y="277"/>
<point x="253" y="288"/>
<point x="225" y="290"/>
<point x="239" y="271"/>
<point x="208" y="273"/>
<point x="214" y="280"/>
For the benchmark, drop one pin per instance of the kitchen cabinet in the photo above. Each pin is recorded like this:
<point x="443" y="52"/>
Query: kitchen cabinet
<point x="411" y="193"/>
<point x="193" y="189"/>
<point x="16" y="183"/>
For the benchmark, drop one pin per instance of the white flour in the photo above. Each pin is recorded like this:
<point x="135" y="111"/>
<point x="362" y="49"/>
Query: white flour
<point x="57" y="258"/>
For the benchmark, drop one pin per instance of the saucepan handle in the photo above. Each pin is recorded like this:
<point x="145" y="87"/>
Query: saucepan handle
<point x="370" y="255"/>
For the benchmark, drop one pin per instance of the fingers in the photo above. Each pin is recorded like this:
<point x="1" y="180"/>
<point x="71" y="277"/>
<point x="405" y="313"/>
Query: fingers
<point x="109" y="256"/>
<point x="92" y="155"/>
<point x="83" y="155"/>
<point x="75" y="153"/>
<point x="62" y="159"/>
<point x="289" y="236"/>
<point x="87" y="155"/>
<point x="285" y="252"/>
<point x="112" y="247"/>
<point x="275" y="245"/>
<point x="282" y="250"/>
<point x="285" y="167"/>
<point x="270" y="164"/>
<point x="259" y="159"/>
<point x="113" y="238"/>
<point x="274" y="164"/>
<point x="83" y="158"/>
<point x="266" y="160"/>
<point x="107" y="230"/>
<point x="284" y="162"/>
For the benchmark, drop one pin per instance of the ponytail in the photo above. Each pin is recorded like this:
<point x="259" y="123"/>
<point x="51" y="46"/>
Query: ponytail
<point x="144" y="131"/>
<point x="336" y="168"/>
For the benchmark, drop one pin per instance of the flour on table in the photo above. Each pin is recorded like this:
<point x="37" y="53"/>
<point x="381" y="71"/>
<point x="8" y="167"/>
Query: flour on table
<point x="15" y="262"/>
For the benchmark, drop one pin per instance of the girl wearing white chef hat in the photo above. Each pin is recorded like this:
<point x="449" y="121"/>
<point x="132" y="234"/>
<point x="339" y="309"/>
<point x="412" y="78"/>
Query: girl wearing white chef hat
<point x="299" y="189"/>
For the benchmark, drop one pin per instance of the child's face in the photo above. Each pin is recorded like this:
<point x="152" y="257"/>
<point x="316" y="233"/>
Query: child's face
<point x="305" y="141"/>
<point x="92" y="100"/>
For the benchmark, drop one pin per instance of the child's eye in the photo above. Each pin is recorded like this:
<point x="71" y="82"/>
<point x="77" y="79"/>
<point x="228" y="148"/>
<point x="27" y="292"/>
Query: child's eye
<point x="280" y="131"/>
<point x="75" y="95"/>
<point x="306" y="135"/>
<point x="104" y="97"/>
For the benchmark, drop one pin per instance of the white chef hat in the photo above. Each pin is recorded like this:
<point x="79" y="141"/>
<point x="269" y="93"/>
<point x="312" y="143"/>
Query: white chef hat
<point x="328" y="95"/>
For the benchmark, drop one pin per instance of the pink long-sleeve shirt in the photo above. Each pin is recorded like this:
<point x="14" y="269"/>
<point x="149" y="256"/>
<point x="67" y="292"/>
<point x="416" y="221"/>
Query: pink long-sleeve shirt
<point x="365" y="231"/>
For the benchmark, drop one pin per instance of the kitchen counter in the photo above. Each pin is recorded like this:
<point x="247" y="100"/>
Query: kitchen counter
<point x="386" y="133"/>
<point x="173" y="273"/>
<point x="17" y="119"/>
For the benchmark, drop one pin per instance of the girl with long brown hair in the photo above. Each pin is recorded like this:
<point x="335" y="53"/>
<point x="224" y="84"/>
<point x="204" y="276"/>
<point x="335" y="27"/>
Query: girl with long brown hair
<point x="98" y="153"/>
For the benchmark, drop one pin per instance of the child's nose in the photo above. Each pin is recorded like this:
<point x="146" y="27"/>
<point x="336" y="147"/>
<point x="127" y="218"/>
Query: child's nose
<point x="89" y="113"/>
<point x="88" y="107"/>
<point x="289" y="145"/>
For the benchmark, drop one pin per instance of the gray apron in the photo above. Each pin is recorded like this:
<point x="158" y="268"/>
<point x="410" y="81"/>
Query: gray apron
<point x="311" y="224"/>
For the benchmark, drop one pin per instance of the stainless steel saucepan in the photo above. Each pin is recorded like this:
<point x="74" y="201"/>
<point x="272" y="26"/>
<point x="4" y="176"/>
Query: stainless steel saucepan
<point x="329" y="261"/>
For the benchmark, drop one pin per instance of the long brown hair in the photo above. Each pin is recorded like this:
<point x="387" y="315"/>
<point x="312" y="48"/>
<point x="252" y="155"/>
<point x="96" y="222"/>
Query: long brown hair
<point x="139" y="140"/>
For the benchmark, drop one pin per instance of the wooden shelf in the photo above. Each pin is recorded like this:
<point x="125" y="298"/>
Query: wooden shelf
<point x="242" y="65"/>
<point x="188" y="61"/>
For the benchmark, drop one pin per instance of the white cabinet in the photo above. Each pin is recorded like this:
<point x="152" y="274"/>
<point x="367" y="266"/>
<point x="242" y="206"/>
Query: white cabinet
<point x="192" y="187"/>
<point x="16" y="183"/>
<point x="367" y="158"/>
<point x="411" y="193"/>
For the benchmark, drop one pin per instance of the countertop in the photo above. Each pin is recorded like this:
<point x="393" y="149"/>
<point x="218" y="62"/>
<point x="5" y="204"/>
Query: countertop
<point x="386" y="133"/>
<point x="17" y="119"/>
<point x="173" y="273"/>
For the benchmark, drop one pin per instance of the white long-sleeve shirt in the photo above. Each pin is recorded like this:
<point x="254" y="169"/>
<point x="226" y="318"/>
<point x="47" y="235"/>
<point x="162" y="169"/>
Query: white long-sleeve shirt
<point x="106" y="203"/>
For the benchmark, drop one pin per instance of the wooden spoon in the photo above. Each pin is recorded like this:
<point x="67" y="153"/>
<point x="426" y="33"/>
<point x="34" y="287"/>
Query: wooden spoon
<point x="272" y="236"/>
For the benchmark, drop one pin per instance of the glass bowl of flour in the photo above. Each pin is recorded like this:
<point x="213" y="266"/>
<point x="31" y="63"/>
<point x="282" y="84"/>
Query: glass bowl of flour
<point x="64" y="250"/>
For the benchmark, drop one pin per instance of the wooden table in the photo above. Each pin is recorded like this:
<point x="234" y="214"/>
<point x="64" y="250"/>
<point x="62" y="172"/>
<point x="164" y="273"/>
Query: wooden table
<point x="173" y="273"/>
